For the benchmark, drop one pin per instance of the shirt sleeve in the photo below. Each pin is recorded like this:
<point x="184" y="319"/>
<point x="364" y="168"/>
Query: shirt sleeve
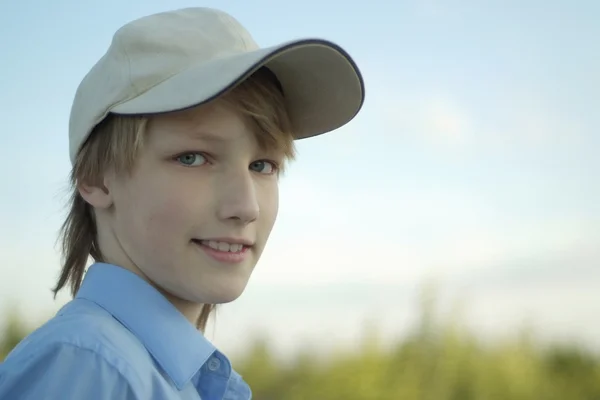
<point x="64" y="372"/>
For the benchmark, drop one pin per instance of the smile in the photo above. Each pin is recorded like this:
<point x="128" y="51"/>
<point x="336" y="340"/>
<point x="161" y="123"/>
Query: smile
<point x="225" y="252"/>
<point x="223" y="246"/>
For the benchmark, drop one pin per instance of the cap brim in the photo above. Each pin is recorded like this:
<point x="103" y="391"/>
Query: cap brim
<point x="323" y="87"/>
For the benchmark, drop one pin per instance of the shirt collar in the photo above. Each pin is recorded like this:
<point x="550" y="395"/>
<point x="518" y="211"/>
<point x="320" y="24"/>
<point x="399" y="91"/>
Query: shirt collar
<point x="177" y="345"/>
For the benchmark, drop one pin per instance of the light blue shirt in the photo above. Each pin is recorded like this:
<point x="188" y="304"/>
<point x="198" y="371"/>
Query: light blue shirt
<point x="119" y="338"/>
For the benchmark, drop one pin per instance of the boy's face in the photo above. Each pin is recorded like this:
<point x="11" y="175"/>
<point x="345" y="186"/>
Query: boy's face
<point x="200" y="182"/>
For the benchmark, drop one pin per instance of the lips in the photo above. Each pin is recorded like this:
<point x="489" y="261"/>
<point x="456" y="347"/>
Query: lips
<point x="228" y="252"/>
<point x="223" y="246"/>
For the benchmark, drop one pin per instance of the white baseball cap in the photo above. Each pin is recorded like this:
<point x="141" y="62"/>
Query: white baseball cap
<point x="179" y="59"/>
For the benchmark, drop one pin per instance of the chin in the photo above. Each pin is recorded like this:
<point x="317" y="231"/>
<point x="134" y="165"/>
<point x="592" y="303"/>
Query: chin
<point x="225" y="298"/>
<point x="219" y="291"/>
<point x="226" y="295"/>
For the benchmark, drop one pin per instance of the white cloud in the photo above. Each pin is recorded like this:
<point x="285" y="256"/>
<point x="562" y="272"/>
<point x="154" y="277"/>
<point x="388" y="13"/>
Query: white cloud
<point x="443" y="122"/>
<point x="437" y="118"/>
<point x="400" y="237"/>
<point x="447" y="120"/>
<point x="518" y="120"/>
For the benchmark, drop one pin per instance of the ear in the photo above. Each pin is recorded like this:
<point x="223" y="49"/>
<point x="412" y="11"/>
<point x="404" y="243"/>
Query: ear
<point x="97" y="196"/>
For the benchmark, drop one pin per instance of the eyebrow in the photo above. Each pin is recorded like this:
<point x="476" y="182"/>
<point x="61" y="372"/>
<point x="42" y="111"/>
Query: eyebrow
<point x="206" y="135"/>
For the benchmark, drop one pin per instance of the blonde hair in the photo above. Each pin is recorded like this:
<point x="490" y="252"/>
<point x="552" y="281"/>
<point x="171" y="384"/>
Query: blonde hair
<point x="117" y="141"/>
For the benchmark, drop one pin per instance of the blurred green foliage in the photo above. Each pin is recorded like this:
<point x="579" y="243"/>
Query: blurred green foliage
<point x="438" y="361"/>
<point x="435" y="362"/>
<point x="14" y="331"/>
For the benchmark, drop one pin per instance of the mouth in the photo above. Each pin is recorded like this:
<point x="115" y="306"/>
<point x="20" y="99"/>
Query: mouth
<point x="224" y="246"/>
<point x="225" y="251"/>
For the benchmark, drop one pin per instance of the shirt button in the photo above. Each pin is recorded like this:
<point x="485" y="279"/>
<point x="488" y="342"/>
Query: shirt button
<point x="214" y="364"/>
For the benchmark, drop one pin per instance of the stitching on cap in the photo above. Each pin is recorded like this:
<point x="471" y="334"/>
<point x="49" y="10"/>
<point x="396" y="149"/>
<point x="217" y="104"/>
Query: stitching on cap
<point x="122" y="45"/>
<point x="234" y="24"/>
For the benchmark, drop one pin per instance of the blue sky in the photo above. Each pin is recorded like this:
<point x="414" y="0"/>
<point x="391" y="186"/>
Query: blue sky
<point x="473" y="160"/>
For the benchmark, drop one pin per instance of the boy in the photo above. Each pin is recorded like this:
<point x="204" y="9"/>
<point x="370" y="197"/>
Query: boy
<point x="177" y="138"/>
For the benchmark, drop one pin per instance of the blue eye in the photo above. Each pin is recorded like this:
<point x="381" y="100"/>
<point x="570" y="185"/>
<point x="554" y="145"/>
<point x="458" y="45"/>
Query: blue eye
<point x="263" y="167"/>
<point x="191" y="159"/>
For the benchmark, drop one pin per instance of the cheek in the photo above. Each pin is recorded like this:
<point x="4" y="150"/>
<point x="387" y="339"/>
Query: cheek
<point x="270" y="206"/>
<point x="170" y="219"/>
<point x="157" y="221"/>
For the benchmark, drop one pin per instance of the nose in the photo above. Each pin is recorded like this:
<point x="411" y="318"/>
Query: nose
<point x="238" y="201"/>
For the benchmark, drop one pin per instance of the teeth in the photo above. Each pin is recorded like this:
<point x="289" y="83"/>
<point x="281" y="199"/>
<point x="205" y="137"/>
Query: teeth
<point x="223" y="246"/>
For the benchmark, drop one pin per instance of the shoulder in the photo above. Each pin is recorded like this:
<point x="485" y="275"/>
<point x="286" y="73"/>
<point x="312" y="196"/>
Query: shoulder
<point x="68" y="372"/>
<point x="81" y="339"/>
<point x="84" y="325"/>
